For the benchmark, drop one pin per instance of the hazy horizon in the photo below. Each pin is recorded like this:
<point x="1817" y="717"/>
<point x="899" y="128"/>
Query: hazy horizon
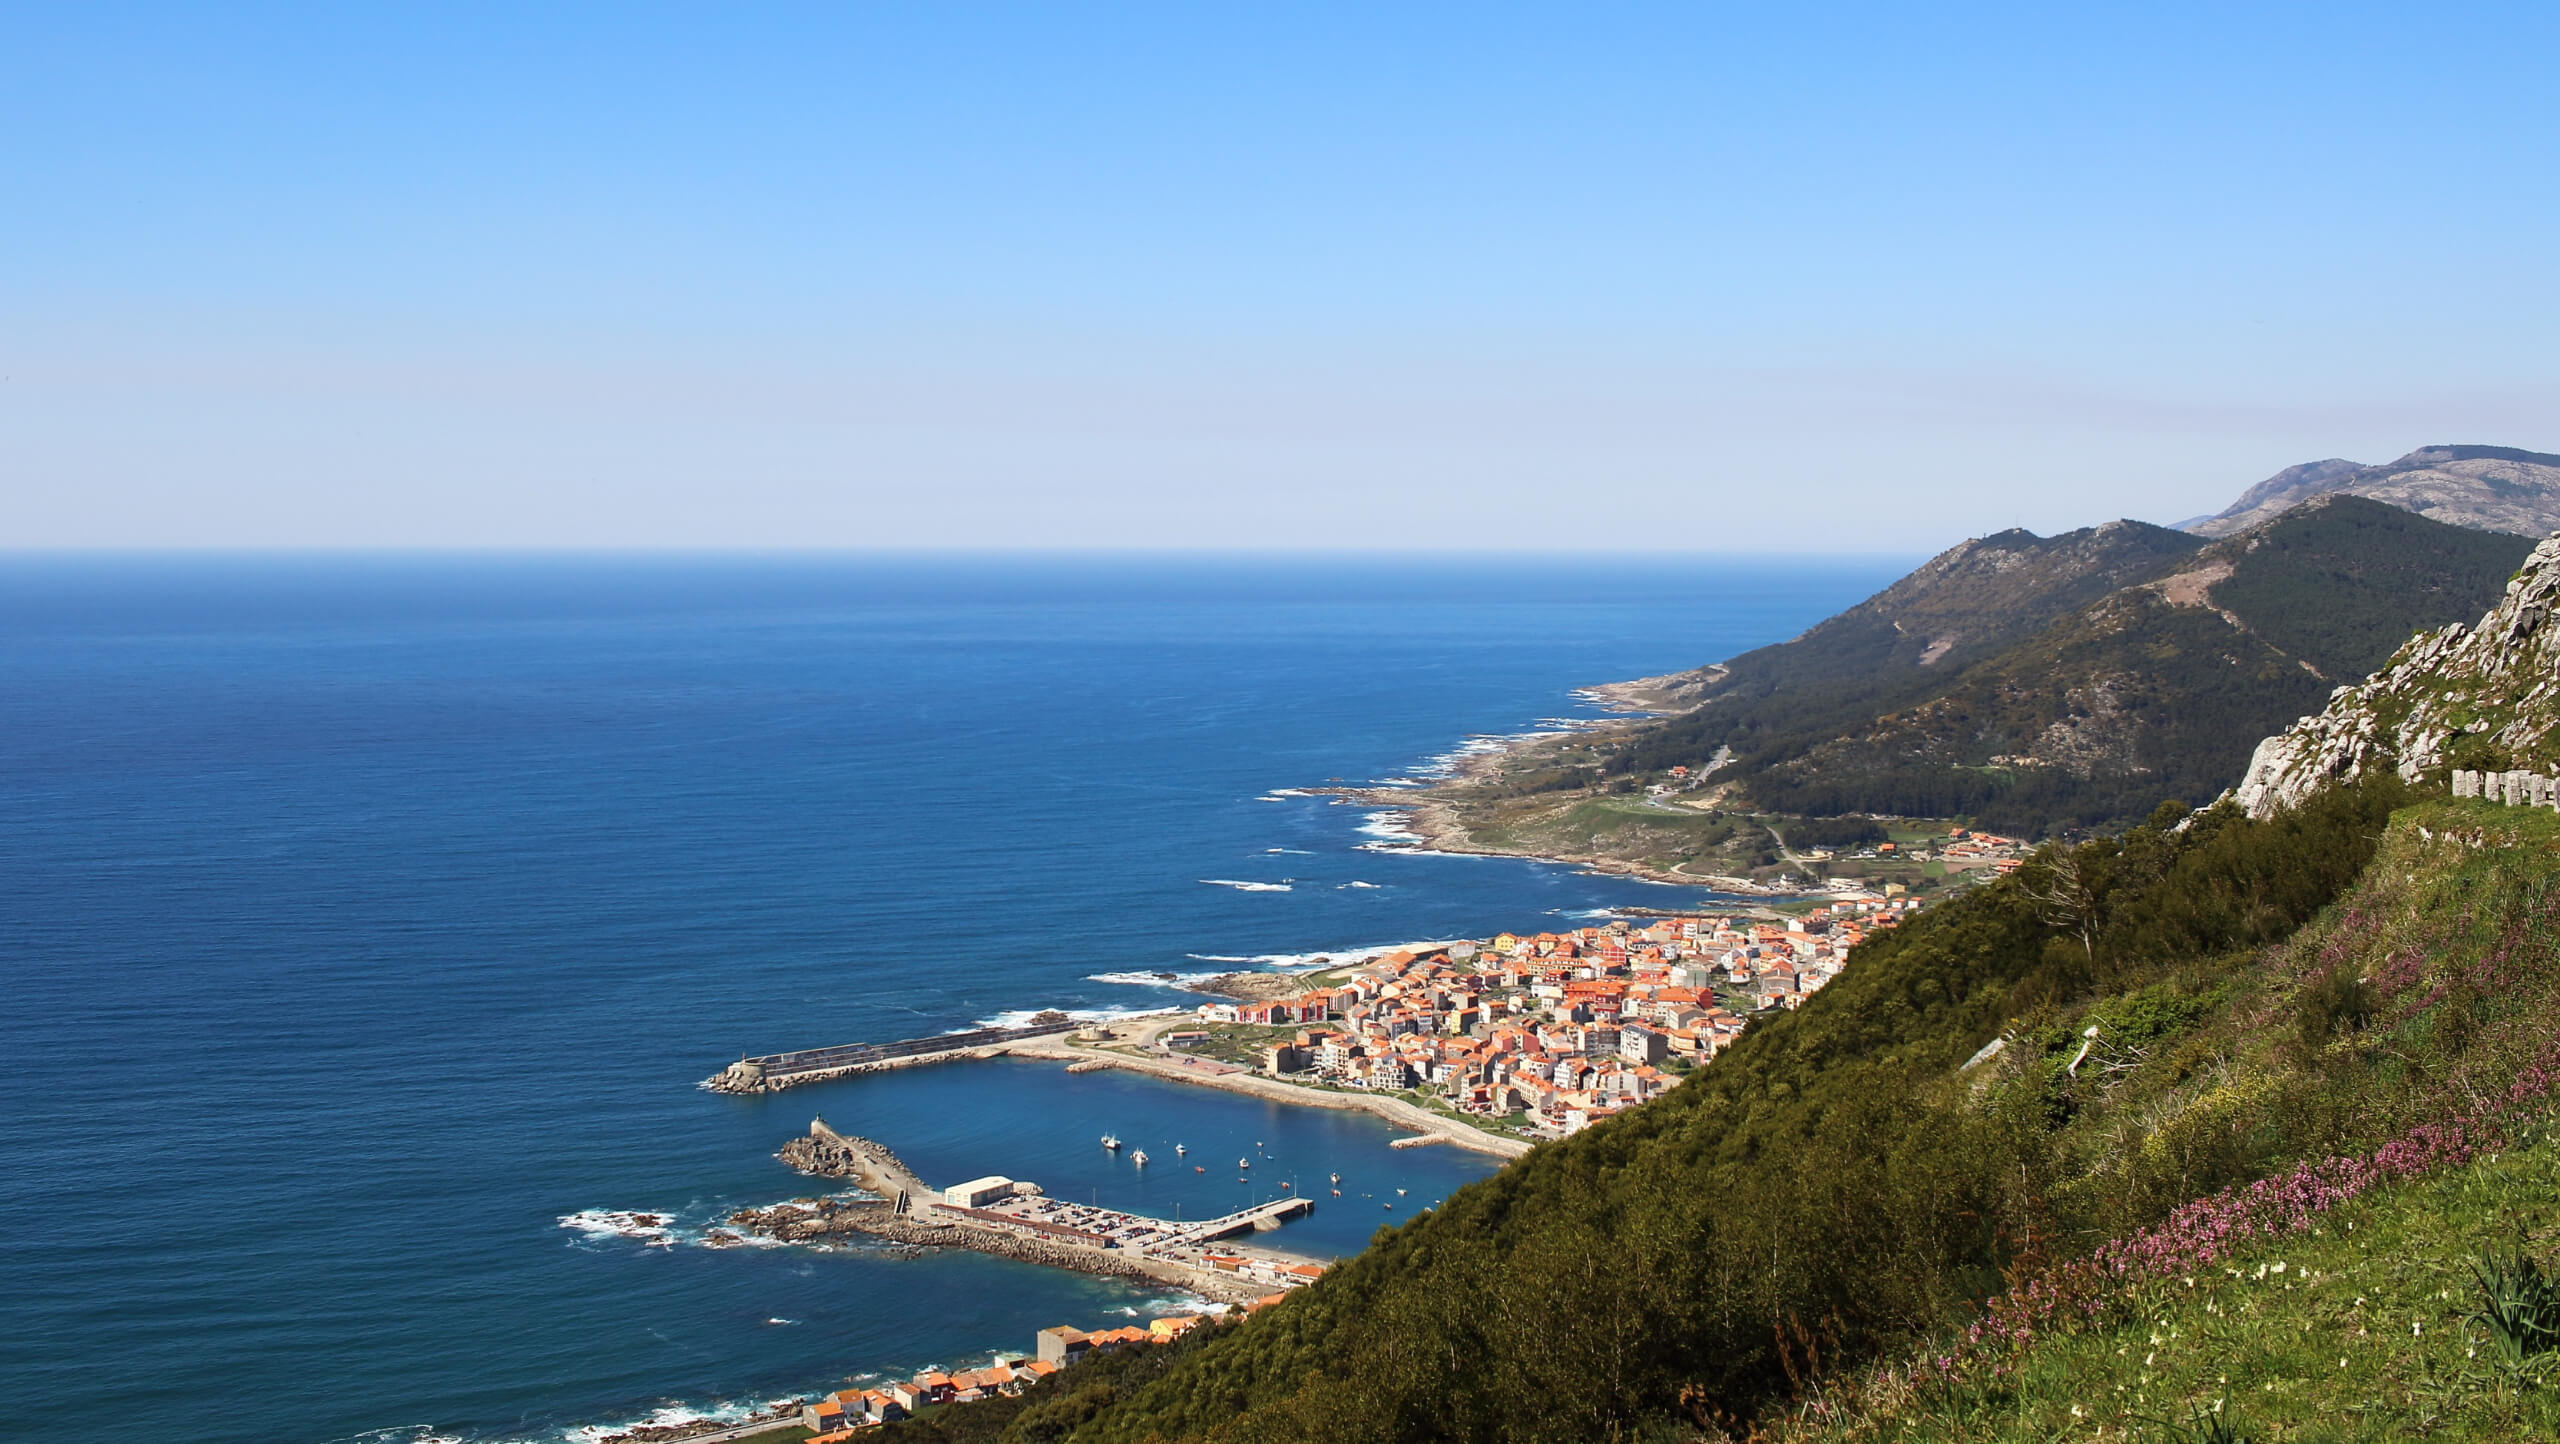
<point x="1658" y="280"/>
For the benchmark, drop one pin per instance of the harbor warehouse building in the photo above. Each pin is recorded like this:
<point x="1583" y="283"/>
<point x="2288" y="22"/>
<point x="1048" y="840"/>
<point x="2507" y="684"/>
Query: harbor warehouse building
<point x="978" y="1192"/>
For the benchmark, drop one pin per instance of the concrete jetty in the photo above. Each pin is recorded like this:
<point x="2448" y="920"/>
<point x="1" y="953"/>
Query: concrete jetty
<point x="774" y="1072"/>
<point x="1016" y="1220"/>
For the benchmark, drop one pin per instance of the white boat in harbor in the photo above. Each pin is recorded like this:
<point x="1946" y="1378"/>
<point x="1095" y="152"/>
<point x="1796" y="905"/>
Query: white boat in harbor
<point x="1244" y="1163"/>
<point x="1139" y="1158"/>
<point x="1179" y="1150"/>
<point x="1111" y="1143"/>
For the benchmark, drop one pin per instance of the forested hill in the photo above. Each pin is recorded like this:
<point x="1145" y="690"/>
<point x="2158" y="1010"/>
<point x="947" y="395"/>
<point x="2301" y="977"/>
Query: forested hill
<point x="1962" y="605"/>
<point x="2157" y="689"/>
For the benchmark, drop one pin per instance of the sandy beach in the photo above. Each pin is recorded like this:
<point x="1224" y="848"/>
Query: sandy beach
<point x="1141" y="1033"/>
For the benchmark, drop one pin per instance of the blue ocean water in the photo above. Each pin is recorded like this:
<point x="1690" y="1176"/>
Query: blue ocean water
<point x="365" y="917"/>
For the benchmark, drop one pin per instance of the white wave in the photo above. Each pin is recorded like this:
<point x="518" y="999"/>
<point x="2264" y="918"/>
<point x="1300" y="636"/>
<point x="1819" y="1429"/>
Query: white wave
<point x="673" y="1416"/>
<point x="1389" y="827"/>
<point x="782" y="1322"/>
<point x="1356" y="884"/>
<point x="1292" y="851"/>
<point x="1151" y="980"/>
<point x="1283" y="794"/>
<point x="1246" y="886"/>
<point x="1021" y="1017"/>
<point x="1445" y="764"/>
<point x="1407" y="849"/>
<point x="621" y="1223"/>
<point x="1331" y="958"/>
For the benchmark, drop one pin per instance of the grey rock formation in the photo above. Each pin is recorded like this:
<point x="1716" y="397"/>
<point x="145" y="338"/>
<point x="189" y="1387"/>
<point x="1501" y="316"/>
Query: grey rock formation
<point x="2483" y="698"/>
<point x="2490" y="488"/>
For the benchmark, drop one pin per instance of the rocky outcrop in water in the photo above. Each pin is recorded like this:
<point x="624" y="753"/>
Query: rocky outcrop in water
<point x="824" y="1153"/>
<point x="2482" y="698"/>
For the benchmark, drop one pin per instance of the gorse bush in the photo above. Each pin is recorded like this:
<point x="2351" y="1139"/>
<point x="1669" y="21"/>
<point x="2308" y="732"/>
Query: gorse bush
<point x="2335" y="1003"/>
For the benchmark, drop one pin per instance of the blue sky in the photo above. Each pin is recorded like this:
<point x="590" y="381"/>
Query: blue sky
<point x="1618" y="277"/>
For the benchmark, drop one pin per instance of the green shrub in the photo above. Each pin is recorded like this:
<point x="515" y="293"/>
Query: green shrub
<point x="2519" y="1303"/>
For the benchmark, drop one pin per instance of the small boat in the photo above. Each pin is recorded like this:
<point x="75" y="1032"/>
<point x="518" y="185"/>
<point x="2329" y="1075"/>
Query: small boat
<point x="1337" y="1193"/>
<point x="1244" y="1163"/>
<point x="1179" y="1150"/>
<point x="1399" y="1193"/>
<point x="1334" y="1178"/>
<point x="1139" y="1158"/>
<point x="1111" y="1143"/>
<point x="1284" y="1185"/>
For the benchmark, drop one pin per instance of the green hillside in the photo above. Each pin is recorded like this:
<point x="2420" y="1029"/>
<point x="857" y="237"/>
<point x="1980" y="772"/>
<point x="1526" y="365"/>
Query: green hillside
<point x="2159" y="689"/>
<point x="1963" y="605"/>
<point x="1839" y="1188"/>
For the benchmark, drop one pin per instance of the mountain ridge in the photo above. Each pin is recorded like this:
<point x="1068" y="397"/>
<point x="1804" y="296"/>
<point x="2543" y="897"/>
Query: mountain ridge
<point x="2490" y="488"/>
<point x="2156" y="688"/>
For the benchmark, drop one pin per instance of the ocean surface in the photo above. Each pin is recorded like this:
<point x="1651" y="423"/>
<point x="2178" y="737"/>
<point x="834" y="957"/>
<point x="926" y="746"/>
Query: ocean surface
<point x="366" y="924"/>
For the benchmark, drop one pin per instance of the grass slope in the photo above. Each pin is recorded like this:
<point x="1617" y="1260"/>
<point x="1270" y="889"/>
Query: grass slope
<point x="2360" y="1328"/>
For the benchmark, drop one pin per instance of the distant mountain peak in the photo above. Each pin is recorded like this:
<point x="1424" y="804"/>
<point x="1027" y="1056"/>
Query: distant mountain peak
<point x="2487" y="488"/>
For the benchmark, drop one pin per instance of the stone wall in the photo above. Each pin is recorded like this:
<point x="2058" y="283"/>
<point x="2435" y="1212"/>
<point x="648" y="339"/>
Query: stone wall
<point x="2515" y="789"/>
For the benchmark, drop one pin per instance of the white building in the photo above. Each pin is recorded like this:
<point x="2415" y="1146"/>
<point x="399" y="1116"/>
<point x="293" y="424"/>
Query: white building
<point x="978" y="1192"/>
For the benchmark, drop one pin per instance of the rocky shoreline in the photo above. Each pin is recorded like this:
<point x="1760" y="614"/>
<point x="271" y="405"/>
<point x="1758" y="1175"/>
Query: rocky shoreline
<point x="825" y="1153"/>
<point x="818" y="1220"/>
<point x="1436" y="826"/>
<point x="1259" y="987"/>
<point x="771" y="1417"/>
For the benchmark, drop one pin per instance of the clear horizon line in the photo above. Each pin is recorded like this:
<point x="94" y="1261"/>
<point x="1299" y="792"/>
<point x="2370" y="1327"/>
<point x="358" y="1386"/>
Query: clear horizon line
<point x="610" y="551"/>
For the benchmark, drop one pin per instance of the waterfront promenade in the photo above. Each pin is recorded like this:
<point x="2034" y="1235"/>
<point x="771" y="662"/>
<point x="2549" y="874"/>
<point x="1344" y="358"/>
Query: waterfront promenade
<point x="1128" y="1044"/>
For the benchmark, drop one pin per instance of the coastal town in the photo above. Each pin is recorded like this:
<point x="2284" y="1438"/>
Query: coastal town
<point x="1541" y="1034"/>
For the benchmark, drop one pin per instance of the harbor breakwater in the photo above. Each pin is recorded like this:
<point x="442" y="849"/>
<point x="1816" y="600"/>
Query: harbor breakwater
<point x="773" y="1072"/>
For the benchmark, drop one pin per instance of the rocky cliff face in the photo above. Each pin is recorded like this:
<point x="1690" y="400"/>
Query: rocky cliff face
<point x="2489" y="488"/>
<point x="2483" y="697"/>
